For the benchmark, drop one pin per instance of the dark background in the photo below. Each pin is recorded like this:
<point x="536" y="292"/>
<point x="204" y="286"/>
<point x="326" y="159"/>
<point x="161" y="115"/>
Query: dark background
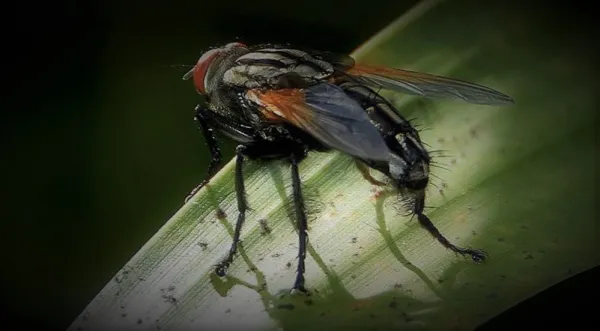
<point x="98" y="143"/>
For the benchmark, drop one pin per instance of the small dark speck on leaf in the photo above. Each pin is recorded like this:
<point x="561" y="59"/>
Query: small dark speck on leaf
<point x="124" y="315"/>
<point x="393" y="305"/>
<point x="372" y="316"/>
<point x="354" y="239"/>
<point x="453" y="161"/>
<point x="139" y="321"/>
<point x="397" y="285"/>
<point x="355" y="254"/>
<point x="473" y="133"/>
<point x="202" y="245"/>
<point x="440" y="281"/>
<point x="170" y="299"/>
<point x="276" y="255"/>
<point x="502" y="276"/>
<point x="308" y="302"/>
<point x="220" y="213"/>
<point x="353" y="276"/>
<point x="441" y="140"/>
<point x="287" y="306"/>
<point x="228" y="310"/>
<point x="500" y="239"/>
<point x="288" y="265"/>
<point x="529" y="257"/>
<point x="264" y="226"/>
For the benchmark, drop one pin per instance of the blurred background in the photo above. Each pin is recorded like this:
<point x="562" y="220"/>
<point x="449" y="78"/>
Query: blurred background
<point x="98" y="144"/>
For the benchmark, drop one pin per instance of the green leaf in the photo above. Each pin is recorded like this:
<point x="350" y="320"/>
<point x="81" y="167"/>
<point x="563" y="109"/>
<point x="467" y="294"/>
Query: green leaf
<point x="518" y="183"/>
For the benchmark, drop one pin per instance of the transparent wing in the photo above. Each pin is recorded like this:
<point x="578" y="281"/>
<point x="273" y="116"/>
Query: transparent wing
<point x="427" y="85"/>
<point x="328" y="114"/>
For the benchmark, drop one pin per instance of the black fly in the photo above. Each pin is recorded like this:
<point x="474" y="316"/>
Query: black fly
<point x="279" y="102"/>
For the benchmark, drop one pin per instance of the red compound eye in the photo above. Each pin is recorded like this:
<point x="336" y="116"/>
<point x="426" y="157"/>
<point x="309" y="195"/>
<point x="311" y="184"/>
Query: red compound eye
<point x="201" y="68"/>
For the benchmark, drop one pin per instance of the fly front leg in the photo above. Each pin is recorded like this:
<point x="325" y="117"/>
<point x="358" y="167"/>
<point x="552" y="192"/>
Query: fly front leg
<point x="240" y="193"/>
<point x="209" y="122"/>
<point x="202" y="118"/>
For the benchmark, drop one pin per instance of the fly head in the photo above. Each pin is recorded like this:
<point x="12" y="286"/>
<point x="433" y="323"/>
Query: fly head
<point x="208" y="71"/>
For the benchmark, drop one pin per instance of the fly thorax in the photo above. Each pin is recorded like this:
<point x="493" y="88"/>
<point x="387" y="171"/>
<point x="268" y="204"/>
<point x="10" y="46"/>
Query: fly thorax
<point x="265" y="67"/>
<point x="220" y="65"/>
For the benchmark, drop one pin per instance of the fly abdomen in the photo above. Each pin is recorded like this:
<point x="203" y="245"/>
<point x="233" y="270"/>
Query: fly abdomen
<point x="408" y="164"/>
<point x="383" y="113"/>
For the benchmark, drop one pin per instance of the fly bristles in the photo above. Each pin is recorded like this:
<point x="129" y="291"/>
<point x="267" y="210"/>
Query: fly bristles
<point x="181" y="65"/>
<point x="439" y="153"/>
<point x="406" y="202"/>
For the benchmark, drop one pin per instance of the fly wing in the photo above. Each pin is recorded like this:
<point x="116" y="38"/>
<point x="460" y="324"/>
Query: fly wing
<point x="328" y="114"/>
<point x="427" y="85"/>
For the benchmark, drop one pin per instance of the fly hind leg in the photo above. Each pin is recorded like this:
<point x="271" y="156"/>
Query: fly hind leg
<point x="476" y="255"/>
<point x="300" y="223"/>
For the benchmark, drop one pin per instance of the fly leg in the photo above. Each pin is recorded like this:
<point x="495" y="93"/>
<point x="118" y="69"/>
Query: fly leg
<point x="209" y="121"/>
<point x="366" y="173"/>
<point x="477" y="256"/>
<point x="213" y="145"/>
<point x="240" y="193"/>
<point x="301" y="224"/>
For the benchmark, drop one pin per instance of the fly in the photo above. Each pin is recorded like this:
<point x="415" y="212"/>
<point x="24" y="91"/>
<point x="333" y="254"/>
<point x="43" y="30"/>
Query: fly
<point x="279" y="102"/>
